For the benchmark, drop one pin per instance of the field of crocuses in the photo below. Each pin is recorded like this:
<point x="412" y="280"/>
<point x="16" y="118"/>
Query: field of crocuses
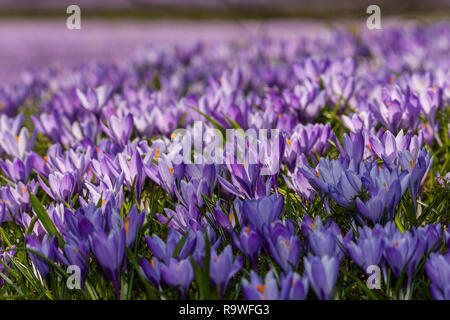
<point x="99" y="200"/>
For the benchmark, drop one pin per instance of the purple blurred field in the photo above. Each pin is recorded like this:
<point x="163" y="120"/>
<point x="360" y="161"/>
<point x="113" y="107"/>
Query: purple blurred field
<point x="37" y="44"/>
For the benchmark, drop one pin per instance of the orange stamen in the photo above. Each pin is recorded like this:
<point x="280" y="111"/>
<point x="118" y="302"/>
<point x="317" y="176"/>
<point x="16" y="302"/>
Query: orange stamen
<point x="127" y="224"/>
<point x="262" y="289"/>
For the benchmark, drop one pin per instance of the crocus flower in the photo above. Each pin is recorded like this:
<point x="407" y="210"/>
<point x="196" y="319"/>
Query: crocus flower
<point x="134" y="175"/>
<point x="223" y="267"/>
<point x="432" y="233"/>
<point x="109" y="249"/>
<point x="178" y="273"/>
<point x="418" y="167"/>
<point x="17" y="146"/>
<point x="78" y="254"/>
<point x="133" y="223"/>
<point x="404" y="250"/>
<point x="249" y="242"/>
<point x="164" y="250"/>
<point x="322" y="273"/>
<point x="119" y="129"/>
<point x="263" y="211"/>
<point x="61" y="185"/>
<point x="368" y="250"/>
<point x="94" y="98"/>
<point x="438" y="270"/>
<point x="152" y="271"/>
<point x="18" y="170"/>
<point x="47" y="248"/>
<point x="284" y="246"/>
<point x="294" y="287"/>
<point x="257" y="289"/>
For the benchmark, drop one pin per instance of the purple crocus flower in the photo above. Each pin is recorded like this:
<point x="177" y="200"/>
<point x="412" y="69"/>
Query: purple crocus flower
<point x="309" y="139"/>
<point x="418" y="167"/>
<point x="322" y="273"/>
<point x="164" y="250"/>
<point x="61" y="185"/>
<point x="228" y="221"/>
<point x="152" y="271"/>
<point x="249" y="242"/>
<point x="94" y="99"/>
<point x="284" y="246"/>
<point x="294" y="287"/>
<point x="257" y="289"/>
<point x="432" y="234"/>
<point x="385" y="188"/>
<point x="387" y="149"/>
<point x="223" y="267"/>
<point x="119" y="129"/>
<point x="438" y="270"/>
<point x="133" y="223"/>
<point x="178" y="273"/>
<point x="47" y="248"/>
<point x="263" y="211"/>
<point x="404" y="250"/>
<point x="134" y="176"/>
<point x="17" y="146"/>
<point x="109" y="249"/>
<point x="78" y="254"/>
<point x="18" y="170"/>
<point x="368" y="250"/>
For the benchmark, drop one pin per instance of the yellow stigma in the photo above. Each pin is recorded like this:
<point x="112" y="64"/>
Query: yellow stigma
<point x="231" y="217"/>
<point x="17" y="138"/>
<point x="261" y="288"/>
<point x="173" y="135"/>
<point x="280" y="116"/>
<point x="152" y="262"/>
<point x="247" y="230"/>
<point x="412" y="164"/>
<point x="171" y="170"/>
<point x="103" y="202"/>
<point x="157" y="154"/>
<point x="23" y="189"/>
<point x="75" y="250"/>
<point x="388" y="104"/>
<point x="318" y="173"/>
<point x="289" y="142"/>
<point x="46" y="159"/>
<point x="127" y="224"/>
<point x="368" y="146"/>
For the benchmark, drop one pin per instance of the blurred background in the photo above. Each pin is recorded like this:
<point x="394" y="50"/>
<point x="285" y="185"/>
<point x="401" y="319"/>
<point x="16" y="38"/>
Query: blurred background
<point x="33" y="33"/>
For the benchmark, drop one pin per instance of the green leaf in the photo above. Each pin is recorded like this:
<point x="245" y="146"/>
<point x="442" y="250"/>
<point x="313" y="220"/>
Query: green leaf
<point x="43" y="217"/>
